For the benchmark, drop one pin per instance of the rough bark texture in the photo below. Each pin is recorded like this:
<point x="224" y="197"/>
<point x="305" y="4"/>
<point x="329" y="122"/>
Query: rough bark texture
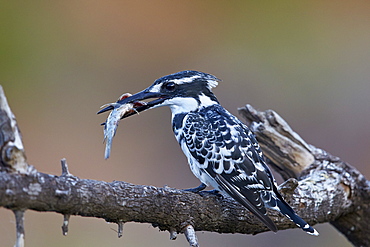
<point x="319" y="186"/>
<point x="341" y="190"/>
<point x="13" y="158"/>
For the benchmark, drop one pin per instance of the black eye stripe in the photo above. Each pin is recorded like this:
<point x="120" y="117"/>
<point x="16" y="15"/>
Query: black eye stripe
<point x="170" y="86"/>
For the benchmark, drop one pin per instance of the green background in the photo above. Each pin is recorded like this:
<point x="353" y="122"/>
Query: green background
<point x="61" y="60"/>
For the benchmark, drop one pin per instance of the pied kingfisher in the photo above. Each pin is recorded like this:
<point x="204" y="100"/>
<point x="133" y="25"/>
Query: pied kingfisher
<point x="221" y="150"/>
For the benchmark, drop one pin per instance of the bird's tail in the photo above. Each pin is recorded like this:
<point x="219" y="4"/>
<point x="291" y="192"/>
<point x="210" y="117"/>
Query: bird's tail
<point x="290" y="214"/>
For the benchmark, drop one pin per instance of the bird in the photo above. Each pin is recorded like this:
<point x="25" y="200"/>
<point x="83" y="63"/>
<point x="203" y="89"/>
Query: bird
<point x="221" y="150"/>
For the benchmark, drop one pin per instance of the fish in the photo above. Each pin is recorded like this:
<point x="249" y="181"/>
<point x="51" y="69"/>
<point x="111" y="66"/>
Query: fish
<point x="118" y="110"/>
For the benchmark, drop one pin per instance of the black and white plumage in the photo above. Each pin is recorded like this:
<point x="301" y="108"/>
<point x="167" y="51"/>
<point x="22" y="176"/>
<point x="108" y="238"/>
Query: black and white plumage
<point x="221" y="150"/>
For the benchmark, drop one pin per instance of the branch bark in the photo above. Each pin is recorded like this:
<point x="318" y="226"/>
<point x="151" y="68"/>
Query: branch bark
<point x="328" y="179"/>
<point x="319" y="186"/>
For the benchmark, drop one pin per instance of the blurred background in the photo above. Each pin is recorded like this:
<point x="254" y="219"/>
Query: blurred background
<point x="61" y="60"/>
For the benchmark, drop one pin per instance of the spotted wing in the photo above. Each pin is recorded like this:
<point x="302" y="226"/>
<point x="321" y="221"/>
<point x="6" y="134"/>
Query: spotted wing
<point x="226" y="150"/>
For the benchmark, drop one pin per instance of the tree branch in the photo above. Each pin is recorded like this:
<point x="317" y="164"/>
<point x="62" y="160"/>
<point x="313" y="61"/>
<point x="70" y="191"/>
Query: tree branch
<point x="327" y="189"/>
<point x="328" y="179"/>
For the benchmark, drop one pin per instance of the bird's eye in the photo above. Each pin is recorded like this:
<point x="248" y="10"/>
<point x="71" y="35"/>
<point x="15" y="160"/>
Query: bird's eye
<point x="170" y="86"/>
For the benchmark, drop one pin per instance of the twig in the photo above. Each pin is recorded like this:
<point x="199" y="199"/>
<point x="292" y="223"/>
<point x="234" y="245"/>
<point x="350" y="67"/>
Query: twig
<point x="19" y="220"/>
<point x="173" y="234"/>
<point x="191" y="236"/>
<point x="65" y="171"/>
<point x="13" y="158"/>
<point x="120" y="228"/>
<point x="65" y="224"/>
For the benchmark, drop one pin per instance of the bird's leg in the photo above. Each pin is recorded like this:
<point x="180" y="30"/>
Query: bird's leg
<point x="197" y="189"/>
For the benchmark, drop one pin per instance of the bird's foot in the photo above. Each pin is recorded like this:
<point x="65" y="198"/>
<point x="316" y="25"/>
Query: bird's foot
<point x="212" y="193"/>
<point x="200" y="188"/>
<point x="197" y="189"/>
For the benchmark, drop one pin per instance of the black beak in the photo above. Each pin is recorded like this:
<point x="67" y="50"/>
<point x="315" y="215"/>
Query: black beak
<point x="135" y="99"/>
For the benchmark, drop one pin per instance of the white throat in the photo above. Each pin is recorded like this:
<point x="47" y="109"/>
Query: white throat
<point x="185" y="105"/>
<point x="182" y="105"/>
